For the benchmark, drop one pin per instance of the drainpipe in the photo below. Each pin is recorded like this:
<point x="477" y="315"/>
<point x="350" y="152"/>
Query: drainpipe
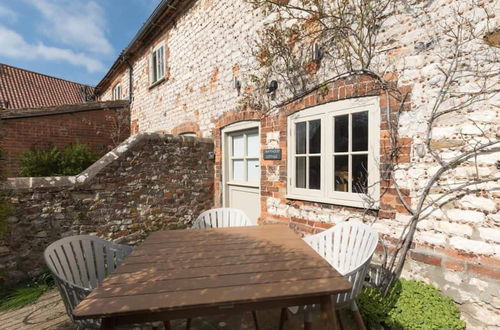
<point x="125" y="59"/>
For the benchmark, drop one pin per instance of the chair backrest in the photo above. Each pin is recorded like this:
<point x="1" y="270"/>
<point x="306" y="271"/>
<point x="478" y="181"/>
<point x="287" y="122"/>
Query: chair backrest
<point x="348" y="247"/>
<point x="222" y="217"/>
<point x="80" y="263"/>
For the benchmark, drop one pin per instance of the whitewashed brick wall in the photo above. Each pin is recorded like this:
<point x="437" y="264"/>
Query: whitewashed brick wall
<point x="209" y="46"/>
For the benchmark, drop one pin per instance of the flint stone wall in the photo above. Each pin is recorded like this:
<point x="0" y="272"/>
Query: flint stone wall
<point x="152" y="181"/>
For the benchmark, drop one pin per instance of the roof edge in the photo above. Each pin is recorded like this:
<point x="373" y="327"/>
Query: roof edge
<point x="61" y="109"/>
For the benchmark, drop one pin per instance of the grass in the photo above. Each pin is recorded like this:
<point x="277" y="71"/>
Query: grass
<point x="25" y="292"/>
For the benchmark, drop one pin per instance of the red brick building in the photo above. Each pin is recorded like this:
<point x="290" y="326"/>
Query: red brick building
<point x="36" y="109"/>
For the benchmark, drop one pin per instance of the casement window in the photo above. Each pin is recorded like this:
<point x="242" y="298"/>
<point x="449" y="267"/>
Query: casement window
<point x="333" y="152"/>
<point x="157" y="64"/>
<point x="117" y="92"/>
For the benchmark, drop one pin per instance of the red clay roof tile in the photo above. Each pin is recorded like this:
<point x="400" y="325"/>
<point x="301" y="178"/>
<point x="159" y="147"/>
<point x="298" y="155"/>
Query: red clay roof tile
<point x="20" y="89"/>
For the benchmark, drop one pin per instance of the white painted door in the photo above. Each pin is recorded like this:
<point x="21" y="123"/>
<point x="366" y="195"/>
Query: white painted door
<point x="242" y="171"/>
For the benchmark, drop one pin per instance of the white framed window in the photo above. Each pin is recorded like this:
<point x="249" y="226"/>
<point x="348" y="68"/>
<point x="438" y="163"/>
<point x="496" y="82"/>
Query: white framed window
<point x="117" y="92"/>
<point x="334" y="151"/>
<point x="157" y="63"/>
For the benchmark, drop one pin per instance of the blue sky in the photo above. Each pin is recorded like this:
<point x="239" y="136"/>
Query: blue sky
<point x="76" y="40"/>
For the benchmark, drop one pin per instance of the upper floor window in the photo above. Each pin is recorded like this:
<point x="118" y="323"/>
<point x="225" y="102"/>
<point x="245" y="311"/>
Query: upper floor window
<point x="157" y="63"/>
<point x="333" y="152"/>
<point x="117" y="92"/>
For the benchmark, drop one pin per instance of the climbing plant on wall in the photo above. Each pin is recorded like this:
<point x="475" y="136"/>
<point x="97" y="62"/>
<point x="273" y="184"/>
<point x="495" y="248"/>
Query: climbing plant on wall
<point x="307" y="44"/>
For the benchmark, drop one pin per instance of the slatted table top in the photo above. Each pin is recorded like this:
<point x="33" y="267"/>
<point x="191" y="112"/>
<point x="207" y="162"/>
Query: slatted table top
<point x="184" y="273"/>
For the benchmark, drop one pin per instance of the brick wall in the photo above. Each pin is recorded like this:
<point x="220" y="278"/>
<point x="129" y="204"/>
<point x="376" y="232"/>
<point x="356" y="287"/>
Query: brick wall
<point x="150" y="182"/>
<point x="456" y="248"/>
<point x="100" y="125"/>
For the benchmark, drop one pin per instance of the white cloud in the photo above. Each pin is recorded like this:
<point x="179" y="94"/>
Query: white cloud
<point x="13" y="45"/>
<point x="79" y="24"/>
<point x="8" y="13"/>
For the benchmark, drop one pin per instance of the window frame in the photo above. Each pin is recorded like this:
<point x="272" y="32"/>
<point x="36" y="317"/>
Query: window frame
<point x="327" y="112"/>
<point x="245" y="157"/>
<point x="118" y="87"/>
<point x="154" y="66"/>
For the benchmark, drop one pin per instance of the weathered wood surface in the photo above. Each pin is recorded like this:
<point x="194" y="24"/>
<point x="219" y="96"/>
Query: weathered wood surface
<point x="191" y="272"/>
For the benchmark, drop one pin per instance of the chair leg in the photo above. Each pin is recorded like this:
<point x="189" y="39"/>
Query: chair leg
<point x="357" y="316"/>
<point x="307" y="318"/>
<point x="166" y="324"/>
<point x="339" y="319"/>
<point x="188" y="324"/>
<point x="283" y="318"/>
<point x="255" y="320"/>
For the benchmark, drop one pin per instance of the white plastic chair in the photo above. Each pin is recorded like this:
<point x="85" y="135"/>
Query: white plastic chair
<point x="348" y="247"/>
<point x="78" y="264"/>
<point x="222" y="217"/>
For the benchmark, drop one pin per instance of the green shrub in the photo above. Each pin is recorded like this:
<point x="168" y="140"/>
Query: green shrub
<point x="409" y="305"/>
<point x="51" y="161"/>
<point x="76" y="158"/>
<point x="41" y="162"/>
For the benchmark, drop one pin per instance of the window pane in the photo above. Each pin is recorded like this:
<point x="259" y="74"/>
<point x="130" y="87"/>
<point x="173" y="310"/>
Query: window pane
<point x="300" y="140"/>
<point x="253" y="145"/>
<point x="161" y="66"/>
<point x="238" y="145"/>
<point x="239" y="170"/>
<point x="154" y="67"/>
<point x="315" y="136"/>
<point x="300" y="172"/>
<point x="341" y="131"/>
<point x="360" y="131"/>
<point x="359" y="173"/>
<point x="253" y="170"/>
<point x="341" y="173"/>
<point x="314" y="172"/>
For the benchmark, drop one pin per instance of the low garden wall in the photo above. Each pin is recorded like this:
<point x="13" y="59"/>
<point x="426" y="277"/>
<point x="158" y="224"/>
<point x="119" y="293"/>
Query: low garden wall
<point x="151" y="181"/>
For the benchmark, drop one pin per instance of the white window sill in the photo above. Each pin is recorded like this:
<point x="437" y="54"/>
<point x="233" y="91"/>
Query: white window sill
<point x="156" y="83"/>
<point x="333" y="201"/>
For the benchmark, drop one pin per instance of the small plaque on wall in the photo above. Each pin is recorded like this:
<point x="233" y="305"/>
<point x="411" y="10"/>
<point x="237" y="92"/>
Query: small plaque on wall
<point x="272" y="154"/>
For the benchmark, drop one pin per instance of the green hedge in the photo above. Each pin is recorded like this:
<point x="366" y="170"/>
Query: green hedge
<point x="409" y="305"/>
<point x="51" y="161"/>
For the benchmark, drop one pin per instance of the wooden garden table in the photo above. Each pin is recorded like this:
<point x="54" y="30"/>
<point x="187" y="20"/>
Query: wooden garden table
<point x="189" y="273"/>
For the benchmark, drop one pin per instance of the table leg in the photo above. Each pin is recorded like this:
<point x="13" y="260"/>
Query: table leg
<point x="107" y="324"/>
<point x="255" y="320"/>
<point x="166" y="324"/>
<point x="328" y="314"/>
<point x="283" y="318"/>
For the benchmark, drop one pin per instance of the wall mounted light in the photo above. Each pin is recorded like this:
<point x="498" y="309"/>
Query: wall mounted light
<point x="272" y="86"/>
<point x="237" y="85"/>
<point x="315" y="52"/>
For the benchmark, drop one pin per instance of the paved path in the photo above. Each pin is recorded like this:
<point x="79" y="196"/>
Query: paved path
<point x="48" y="313"/>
